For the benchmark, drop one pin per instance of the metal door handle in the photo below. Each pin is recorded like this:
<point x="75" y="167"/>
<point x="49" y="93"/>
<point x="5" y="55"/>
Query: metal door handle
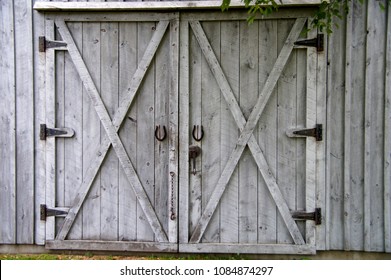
<point x="197" y="132"/>
<point x="194" y="151"/>
<point x="158" y="133"/>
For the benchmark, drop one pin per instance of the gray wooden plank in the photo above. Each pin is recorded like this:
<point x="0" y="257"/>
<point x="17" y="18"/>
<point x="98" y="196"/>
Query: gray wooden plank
<point x="374" y="138"/>
<point x="145" y="132"/>
<point x="90" y="212"/>
<point x="357" y="125"/>
<point x="113" y="137"/>
<point x="127" y="198"/>
<point x="347" y="133"/>
<point x="173" y="140"/>
<point x="60" y="122"/>
<point x="211" y="120"/>
<point x="311" y="121"/>
<point x="247" y="130"/>
<point x="286" y="117"/>
<point x="73" y="114"/>
<point x="387" y="145"/>
<point x="195" y="118"/>
<point x="118" y="246"/>
<point x="50" y="122"/>
<point x="152" y="5"/>
<point x="185" y="190"/>
<point x="267" y="135"/>
<point x="110" y="16"/>
<point x="39" y="117"/>
<point x="335" y="144"/>
<point x="7" y="123"/>
<point x="162" y="184"/>
<point x="229" y="61"/>
<point x="23" y="29"/>
<point x="248" y="248"/>
<point x="109" y="93"/>
<point x="248" y="171"/>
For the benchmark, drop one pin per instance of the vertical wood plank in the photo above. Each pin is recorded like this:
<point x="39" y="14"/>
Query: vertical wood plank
<point x="336" y="62"/>
<point x="186" y="206"/>
<point x="195" y="118"/>
<point x="39" y="117"/>
<point x="60" y="122"/>
<point x="321" y="117"/>
<point x="211" y="120"/>
<point x="374" y="125"/>
<point x="8" y="124"/>
<point x="268" y="52"/>
<point x="127" y="67"/>
<point x="50" y="122"/>
<point x="347" y="132"/>
<point x="387" y="141"/>
<point x="173" y="131"/>
<point x="109" y="94"/>
<point x="73" y="114"/>
<point x="310" y="160"/>
<point x="248" y="171"/>
<point x="286" y="118"/>
<point x="24" y="121"/>
<point x="145" y="131"/>
<point x="229" y="61"/>
<point x="358" y="45"/>
<point x="162" y="184"/>
<point x="91" y="131"/>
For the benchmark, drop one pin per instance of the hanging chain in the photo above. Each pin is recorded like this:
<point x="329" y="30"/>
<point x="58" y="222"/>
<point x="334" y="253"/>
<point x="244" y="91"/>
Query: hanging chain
<point x="173" y="216"/>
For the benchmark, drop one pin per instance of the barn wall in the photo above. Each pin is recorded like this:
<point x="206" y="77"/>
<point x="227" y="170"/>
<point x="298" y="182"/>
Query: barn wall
<point x="357" y="210"/>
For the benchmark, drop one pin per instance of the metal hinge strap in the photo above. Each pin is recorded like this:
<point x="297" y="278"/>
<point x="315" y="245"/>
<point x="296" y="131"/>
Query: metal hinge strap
<point x="315" y="216"/>
<point x="49" y="44"/>
<point x="54" y="132"/>
<point x="316" y="132"/>
<point x="317" y="42"/>
<point x="49" y="212"/>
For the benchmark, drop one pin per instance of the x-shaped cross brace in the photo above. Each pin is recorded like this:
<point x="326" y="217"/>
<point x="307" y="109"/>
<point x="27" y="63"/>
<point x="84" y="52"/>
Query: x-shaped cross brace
<point x="111" y="127"/>
<point x="247" y="127"/>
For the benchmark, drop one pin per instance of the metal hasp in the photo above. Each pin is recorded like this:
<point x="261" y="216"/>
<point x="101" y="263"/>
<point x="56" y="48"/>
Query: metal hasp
<point x="194" y="151"/>
<point x="317" y="42"/>
<point x="49" y="212"/>
<point x="54" y="132"/>
<point x="315" y="216"/>
<point x="48" y="44"/>
<point x="316" y="132"/>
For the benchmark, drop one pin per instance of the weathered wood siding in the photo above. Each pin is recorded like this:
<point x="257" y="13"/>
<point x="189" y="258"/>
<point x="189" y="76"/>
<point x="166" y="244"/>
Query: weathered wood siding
<point x="357" y="210"/>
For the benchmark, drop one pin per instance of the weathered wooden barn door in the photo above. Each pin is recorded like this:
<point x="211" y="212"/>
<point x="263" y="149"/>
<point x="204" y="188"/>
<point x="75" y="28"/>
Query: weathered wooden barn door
<point x="111" y="80"/>
<point x="246" y="182"/>
<point x="204" y="102"/>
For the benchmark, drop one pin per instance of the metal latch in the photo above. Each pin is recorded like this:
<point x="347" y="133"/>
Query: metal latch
<point x="316" y="132"/>
<point x="315" y="216"/>
<point x="317" y="42"/>
<point x="49" y="44"/>
<point x="49" y="212"/>
<point x="54" y="132"/>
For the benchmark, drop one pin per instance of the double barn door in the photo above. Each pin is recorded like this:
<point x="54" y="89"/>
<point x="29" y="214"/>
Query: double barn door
<point x="175" y="132"/>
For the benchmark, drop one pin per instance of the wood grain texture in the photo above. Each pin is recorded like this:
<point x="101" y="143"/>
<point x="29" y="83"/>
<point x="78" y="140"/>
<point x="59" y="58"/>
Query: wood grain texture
<point x="7" y="123"/>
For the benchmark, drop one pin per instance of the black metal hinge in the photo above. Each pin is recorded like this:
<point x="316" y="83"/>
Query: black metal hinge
<point x="317" y="42"/>
<point x="315" y="216"/>
<point x="49" y="44"/>
<point x="316" y="132"/>
<point x="49" y="212"/>
<point x="54" y="132"/>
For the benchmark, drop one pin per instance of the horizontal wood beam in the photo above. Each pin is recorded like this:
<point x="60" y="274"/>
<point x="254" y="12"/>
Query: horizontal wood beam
<point x="166" y="5"/>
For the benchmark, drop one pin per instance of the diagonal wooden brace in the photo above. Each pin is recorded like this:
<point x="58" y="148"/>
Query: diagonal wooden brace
<point x="112" y="128"/>
<point x="247" y="129"/>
